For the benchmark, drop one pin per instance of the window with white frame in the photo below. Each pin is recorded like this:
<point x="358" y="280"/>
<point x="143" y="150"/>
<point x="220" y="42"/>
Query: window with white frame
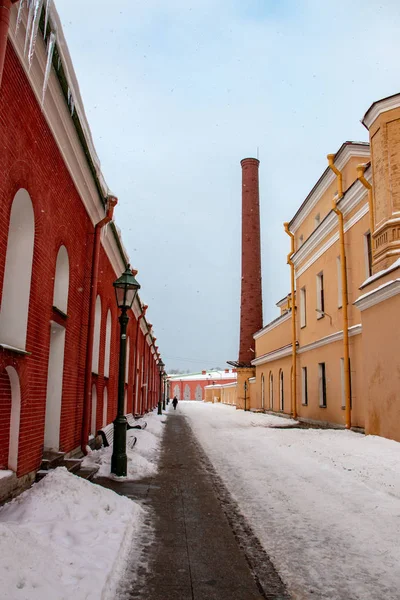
<point x="303" y="307"/>
<point x="339" y="280"/>
<point x="281" y="391"/>
<point x="107" y="352"/>
<point x="96" y="336"/>
<point x="320" y="296"/>
<point x="18" y="271"/>
<point x="271" y="391"/>
<point x="368" y="253"/>
<point x="304" y="388"/>
<point x="322" y="384"/>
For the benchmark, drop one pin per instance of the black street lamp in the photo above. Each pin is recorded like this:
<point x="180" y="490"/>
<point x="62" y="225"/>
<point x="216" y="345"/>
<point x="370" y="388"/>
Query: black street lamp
<point x="164" y="389"/>
<point x="126" y="288"/>
<point x="161" y="369"/>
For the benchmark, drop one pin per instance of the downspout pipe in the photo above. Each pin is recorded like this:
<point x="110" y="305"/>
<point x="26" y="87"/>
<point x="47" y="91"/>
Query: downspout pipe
<point x="5" y="8"/>
<point x="346" y="352"/>
<point x="111" y="203"/>
<point x="141" y="316"/>
<point x="361" y="177"/>
<point x="293" y="306"/>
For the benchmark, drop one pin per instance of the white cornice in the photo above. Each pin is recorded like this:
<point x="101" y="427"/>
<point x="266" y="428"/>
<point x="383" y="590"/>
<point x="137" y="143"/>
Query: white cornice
<point x="252" y="379"/>
<point x="377" y="108"/>
<point x="380" y="294"/>
<point x="274" y="355"/>
<point x="327" y="179"/>
<point x="332" y="224"/>
<point x="57" y="115"/>
<point x="227" y="385"/>
<point x="330" y="339"/>
<point x="275" y="323"/>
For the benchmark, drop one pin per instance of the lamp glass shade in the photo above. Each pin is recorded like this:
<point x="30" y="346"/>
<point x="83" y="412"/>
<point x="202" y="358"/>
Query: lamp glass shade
<point x="161" y="365"/>
<point x="126" y="288"/>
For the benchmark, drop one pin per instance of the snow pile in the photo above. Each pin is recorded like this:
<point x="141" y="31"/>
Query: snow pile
<point x="142" y="458"/>
<point x="325" y="504"/>
<point x="65" y="538"/>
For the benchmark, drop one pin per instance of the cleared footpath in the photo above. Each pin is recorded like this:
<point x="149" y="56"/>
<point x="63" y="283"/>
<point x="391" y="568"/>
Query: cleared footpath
<point x="202" y="548"/>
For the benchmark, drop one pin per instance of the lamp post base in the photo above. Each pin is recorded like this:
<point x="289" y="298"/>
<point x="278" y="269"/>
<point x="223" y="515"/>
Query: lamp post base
<point x="119" y="459"/>
<point x="163" y="405"/>
<point x="159" y="411"/>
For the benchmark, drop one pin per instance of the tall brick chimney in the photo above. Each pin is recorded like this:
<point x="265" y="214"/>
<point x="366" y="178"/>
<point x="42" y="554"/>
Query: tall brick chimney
<point x="251" y="296"/>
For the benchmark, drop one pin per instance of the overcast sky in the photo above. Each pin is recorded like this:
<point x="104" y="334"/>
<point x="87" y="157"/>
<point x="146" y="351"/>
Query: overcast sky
<point x="177" y="92"/>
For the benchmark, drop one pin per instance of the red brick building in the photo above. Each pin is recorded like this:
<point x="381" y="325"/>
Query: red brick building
<point x="60" y="253"/>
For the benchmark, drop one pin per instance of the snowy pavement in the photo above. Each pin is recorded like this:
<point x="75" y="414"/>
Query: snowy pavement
<point x="68" y="538"/>
<point x="325" y="504"/>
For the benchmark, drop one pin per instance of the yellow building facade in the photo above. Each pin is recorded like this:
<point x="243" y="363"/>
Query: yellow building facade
<point x="334" y="361"/>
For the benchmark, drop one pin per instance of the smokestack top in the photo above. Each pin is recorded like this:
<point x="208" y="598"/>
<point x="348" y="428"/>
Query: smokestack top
<point x="253" y="161"/>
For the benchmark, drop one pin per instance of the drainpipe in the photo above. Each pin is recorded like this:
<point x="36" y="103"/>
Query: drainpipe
<point x="111" y="202"/>
<point x="5" y="8"/>
<point x="141" y="316"/>
<point x="293" y="304"/>
<point x="346" y="353"/>
<point x="366" y="183"/>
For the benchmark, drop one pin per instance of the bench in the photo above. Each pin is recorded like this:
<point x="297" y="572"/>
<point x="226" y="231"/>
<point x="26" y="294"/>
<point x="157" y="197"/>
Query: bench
<point x="131" y="423"/>
<point x="107" y="436"/>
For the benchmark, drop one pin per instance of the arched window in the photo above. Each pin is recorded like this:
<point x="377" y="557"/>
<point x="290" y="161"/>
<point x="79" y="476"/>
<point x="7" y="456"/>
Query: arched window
<point x="108" y="345"/>
<point x="61" y="280"/>
<point x="94" y="410"/>
<point x="127" y="360"/>
<point x="177" y="391"/>
<point x="186" y="394"/>
<point x="262" y="390"/>
<point x="14" y="418"/>
<point x="18" y="271"/>
<point x="96" y="336"/>
<point x="199" y="392"/>
<point x="281" y="393"/>
<point x="105" y="406"/>
<point x="271" y="390"/>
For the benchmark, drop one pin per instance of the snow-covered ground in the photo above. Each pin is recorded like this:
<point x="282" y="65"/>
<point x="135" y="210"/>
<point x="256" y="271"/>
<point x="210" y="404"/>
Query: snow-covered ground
<point x="325" y="504"/>
<point x="67" y="538"/>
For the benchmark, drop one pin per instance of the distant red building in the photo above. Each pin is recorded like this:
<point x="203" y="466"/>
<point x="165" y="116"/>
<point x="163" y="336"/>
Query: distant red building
<point x="191" y="386"/>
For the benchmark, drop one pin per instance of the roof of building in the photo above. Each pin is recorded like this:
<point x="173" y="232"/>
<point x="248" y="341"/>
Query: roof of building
<point x="200" y="376"/>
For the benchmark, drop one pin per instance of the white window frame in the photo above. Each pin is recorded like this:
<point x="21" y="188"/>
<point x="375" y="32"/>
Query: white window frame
<point x="303" y="307"/>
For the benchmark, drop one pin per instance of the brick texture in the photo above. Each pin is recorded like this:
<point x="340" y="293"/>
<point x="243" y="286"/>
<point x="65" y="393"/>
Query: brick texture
<point x="251" y="295"/>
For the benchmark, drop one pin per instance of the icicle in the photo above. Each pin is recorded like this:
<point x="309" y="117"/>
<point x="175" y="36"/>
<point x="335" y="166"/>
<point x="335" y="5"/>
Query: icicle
<point x="72" y="107"/>
<point x="36" y="8"/>
<point x="58" y="63"/>
<point x="19" y="17"/>
<point x="46" y="19"/>
<point x="28" y="25"/>
<point x="69" y="96"/>
<point x="50" y="51"/>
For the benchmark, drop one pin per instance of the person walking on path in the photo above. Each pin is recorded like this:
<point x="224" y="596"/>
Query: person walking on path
<point x="175" y="402"/>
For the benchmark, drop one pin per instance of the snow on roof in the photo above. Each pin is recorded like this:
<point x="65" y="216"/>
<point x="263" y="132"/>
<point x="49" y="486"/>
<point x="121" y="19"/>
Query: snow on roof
<point x="208" y="375"/>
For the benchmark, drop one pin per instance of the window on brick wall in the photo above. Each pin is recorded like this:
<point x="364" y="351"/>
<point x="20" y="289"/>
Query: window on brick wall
<point x="107" y="355"/>
<point x="96" y="336"/>
<point x="105" y="406"/>
<point x="18" y="271"/>
<point x="322" y="384"/>
<point x="61" y="281"/>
